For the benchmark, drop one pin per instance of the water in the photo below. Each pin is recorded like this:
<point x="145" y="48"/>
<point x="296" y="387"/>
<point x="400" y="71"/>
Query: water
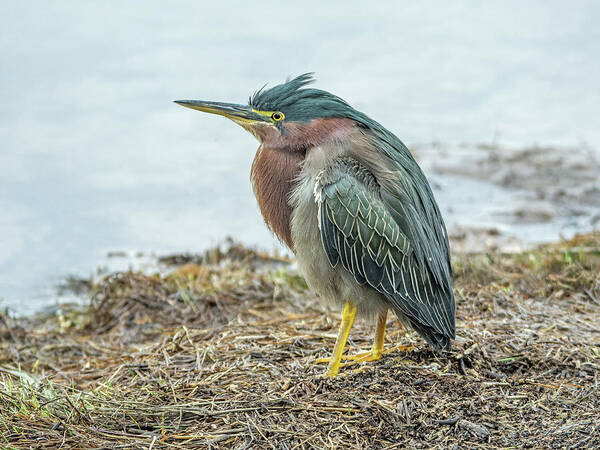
<point x="94" y="157"/>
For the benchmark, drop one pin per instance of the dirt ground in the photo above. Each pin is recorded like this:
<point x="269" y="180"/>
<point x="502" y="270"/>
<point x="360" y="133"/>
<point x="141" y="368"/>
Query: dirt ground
<point x="220" y="352"/>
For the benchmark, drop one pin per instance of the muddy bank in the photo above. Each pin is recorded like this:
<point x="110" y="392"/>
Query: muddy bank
<point x="506" y="198"/>
<point x="221" y="352"/>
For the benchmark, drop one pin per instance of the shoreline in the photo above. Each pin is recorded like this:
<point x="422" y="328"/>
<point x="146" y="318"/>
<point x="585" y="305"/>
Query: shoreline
<point x="492" y="197"/>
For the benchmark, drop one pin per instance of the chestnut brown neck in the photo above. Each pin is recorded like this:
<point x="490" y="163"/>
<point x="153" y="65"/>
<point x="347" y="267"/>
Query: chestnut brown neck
<point x="273" y="174"/>
<point x="277" y="165"/>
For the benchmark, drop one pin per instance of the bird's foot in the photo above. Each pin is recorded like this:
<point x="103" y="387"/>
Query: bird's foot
<point x="367" y="356"/>
<point x="332" y="373"/>
<point x="333" y="369"/>
<point x="363" y="357"/>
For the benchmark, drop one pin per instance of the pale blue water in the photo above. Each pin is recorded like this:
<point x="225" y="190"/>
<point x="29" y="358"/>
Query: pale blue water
<point x="94" y="157"/>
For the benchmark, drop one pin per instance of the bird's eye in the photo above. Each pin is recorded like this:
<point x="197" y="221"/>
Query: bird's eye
<point x="277" y="116"/>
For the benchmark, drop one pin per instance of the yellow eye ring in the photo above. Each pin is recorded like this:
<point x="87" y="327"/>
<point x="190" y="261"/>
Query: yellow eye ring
<point x="277" y="116"/>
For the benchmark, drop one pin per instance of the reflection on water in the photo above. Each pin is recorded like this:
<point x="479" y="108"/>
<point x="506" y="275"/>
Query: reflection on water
<point x="95" y="157"/>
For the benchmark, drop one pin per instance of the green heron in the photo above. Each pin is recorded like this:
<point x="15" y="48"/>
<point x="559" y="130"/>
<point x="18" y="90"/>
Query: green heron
<point x="347" y="197"/>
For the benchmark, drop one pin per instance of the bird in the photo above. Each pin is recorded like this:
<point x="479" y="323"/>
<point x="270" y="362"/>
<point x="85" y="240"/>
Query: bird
<point x="354" y="207"/>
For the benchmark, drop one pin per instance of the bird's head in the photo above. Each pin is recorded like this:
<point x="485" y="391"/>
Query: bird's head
<point x="288" y="115"/>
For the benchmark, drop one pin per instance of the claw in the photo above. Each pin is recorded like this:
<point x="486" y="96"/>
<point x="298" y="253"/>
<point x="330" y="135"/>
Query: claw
<point x="367" y="356"/>
<point x="344" y="358"/>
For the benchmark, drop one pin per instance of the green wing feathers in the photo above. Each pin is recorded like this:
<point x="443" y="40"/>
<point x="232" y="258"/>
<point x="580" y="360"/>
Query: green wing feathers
<point x="371" y="238"/>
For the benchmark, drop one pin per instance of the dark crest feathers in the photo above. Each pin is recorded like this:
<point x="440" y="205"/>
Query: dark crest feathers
<point x="280" y="94"/>
<point x="298" y="102"/>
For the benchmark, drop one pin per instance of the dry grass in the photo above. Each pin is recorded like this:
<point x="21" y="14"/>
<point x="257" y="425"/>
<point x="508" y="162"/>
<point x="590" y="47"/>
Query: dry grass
<point x="220" y="354"/>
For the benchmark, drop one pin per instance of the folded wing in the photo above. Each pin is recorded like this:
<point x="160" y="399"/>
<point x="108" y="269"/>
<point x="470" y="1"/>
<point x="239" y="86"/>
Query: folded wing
<point x="369" y="232"/>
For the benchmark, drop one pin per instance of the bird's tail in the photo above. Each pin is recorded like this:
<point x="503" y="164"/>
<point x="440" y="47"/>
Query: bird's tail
<point x="438" y="340"/>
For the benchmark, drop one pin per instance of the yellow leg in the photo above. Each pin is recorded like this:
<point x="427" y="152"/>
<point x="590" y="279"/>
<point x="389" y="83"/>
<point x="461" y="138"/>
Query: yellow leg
<point x="377" y="350"/>
<point x="376" y="353"/>
<point x="348" y="314"/>
<point x="379" y="336"/>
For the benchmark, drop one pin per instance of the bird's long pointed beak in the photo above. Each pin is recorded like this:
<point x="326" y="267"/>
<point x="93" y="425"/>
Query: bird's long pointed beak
<point x="237" y="113"/>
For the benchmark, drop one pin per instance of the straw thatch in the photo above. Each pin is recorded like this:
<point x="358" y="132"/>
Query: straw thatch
<point x="220" y="353"/>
